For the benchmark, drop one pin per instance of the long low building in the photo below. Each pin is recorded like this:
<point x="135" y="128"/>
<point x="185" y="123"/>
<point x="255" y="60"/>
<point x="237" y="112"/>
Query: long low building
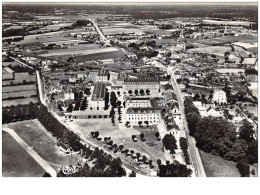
<point x="93" y="114"/>
<point x="134" y="115"/>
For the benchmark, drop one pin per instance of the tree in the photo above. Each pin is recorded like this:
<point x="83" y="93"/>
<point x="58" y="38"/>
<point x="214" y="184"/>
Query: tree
<point x="147" y="123"/>
<point x="157" y="134"/>
<point x="246" y="131"/>
<point x="140" y="123"/>
<point x="70" y="108"/>
<point x="238" y="151"/>
<point x="192" y="119"/>
<point x="138" y="155"/>
<point x="159" y="162"/>
<point x="142" y="92"/>
<point x="118" y="103"/>
<point x="147" y="91"/>
<point x="150" y="163"/>
<point x="142" y="136"/>
<point x="183" y="143"/>
<point x="214" y="132"/>
<point x="136" y="92"/>
<point x="144" y="158"/>
<point x="174" y="169"/>
<point x="196" y="97"/>
<point x="130" y="92"/>
<point x="118" y="93"/>
<point x="113" y="99"/>
<point x="132" y="174"/>
<point x="252" y="152"/>
<point x="169" y="142"/>
<point x="244" y="169"/>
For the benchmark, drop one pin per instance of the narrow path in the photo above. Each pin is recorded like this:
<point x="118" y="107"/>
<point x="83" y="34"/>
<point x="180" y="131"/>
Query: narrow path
<point x="30" y="151"/>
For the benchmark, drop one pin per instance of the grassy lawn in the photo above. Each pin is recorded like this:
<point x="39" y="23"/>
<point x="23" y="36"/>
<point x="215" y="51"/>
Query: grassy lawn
<point x="16" y="162"/>
<point x="216" y="166"/>
<point x="35" y="135"/>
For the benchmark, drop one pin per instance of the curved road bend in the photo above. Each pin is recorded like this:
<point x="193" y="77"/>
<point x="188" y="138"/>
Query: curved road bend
<point x="97" y="28"/>
<point x="30" y="151"/>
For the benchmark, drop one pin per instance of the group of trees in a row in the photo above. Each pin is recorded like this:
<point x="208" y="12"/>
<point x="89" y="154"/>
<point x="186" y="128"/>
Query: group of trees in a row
<point x="104" y="165"/>
<point x="18" y="97"/>
<point x="22" y="112"/>
<point x="184" y="147"/>
<point x="218" y="136"/>
<point x="141" y="92"/>
<point x="19" y="112"/>
<point x="174" y="169"/>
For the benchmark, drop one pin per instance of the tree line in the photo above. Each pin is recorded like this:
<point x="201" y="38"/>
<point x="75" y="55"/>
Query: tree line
<point x="218" y="136"/>
<point x="31" y="111"/>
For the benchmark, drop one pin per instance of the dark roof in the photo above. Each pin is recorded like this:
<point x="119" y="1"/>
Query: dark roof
<point x="143" y="110"/>
<point x="99" y="91"/>
<point x="144" y="79"/>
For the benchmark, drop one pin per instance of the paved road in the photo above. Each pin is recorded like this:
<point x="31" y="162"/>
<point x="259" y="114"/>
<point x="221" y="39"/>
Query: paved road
<point x="30" y="151"/>
<point x="193" y="150"/>
<point x="22" y="63"/>
<point x="97" y="28"/>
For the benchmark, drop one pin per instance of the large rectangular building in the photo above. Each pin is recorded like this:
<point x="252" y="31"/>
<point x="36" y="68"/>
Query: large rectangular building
<point x="141" y="86"/>
<point x="134" y="115"/>
<point x="98" y="97"/>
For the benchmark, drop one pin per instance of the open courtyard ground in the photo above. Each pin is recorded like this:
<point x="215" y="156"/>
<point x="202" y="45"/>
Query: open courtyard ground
<point x="120" y="134"/>
<point x="216" y="166"/>
<point x="16" y="162"/>
<point x="35" y="135"/>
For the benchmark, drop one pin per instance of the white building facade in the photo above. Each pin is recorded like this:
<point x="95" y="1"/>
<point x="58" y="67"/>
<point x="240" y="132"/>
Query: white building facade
<point x="219" y="96"/>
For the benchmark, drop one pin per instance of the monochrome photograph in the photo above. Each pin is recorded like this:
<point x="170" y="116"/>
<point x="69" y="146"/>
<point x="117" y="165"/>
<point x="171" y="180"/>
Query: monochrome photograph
<point x="123" y="89"/>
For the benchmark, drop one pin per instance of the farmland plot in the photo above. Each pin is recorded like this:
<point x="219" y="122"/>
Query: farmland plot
<point x="18" y="88"/>
<point x="26" y="93"/>
<point x="217" y="50"/>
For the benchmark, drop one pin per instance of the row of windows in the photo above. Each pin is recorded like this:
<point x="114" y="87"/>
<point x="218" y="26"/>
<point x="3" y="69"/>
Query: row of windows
<point x="133" y="118"/>
<point x="153" y="83"/>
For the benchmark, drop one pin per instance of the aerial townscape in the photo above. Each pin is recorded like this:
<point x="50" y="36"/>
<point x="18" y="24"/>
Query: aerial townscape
<point x="129" y="90"/>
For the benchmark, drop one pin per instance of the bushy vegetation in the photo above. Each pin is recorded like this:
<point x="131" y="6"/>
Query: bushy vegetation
<point x="174" y="169"/>
<point x="169" y="142"/>
<point x="219" y="137"/>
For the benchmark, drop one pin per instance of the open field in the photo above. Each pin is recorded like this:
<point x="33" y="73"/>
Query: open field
<point x="100" y="56"/>
<point x="25" y="93"/>
<point x="216" y="166"/>
<point x="16" y="162"/>
<point x="217" y="50"/>
<point x="75" y="48"/>
<point x="246" y="45"/>
<point x="19" y="88"/>
<point x="229" y="22"/>
<point x="229" y="39"/>
<point x="19" y="101"/>
<point x="81" y="52"/>
<point x="34" y="134"/>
